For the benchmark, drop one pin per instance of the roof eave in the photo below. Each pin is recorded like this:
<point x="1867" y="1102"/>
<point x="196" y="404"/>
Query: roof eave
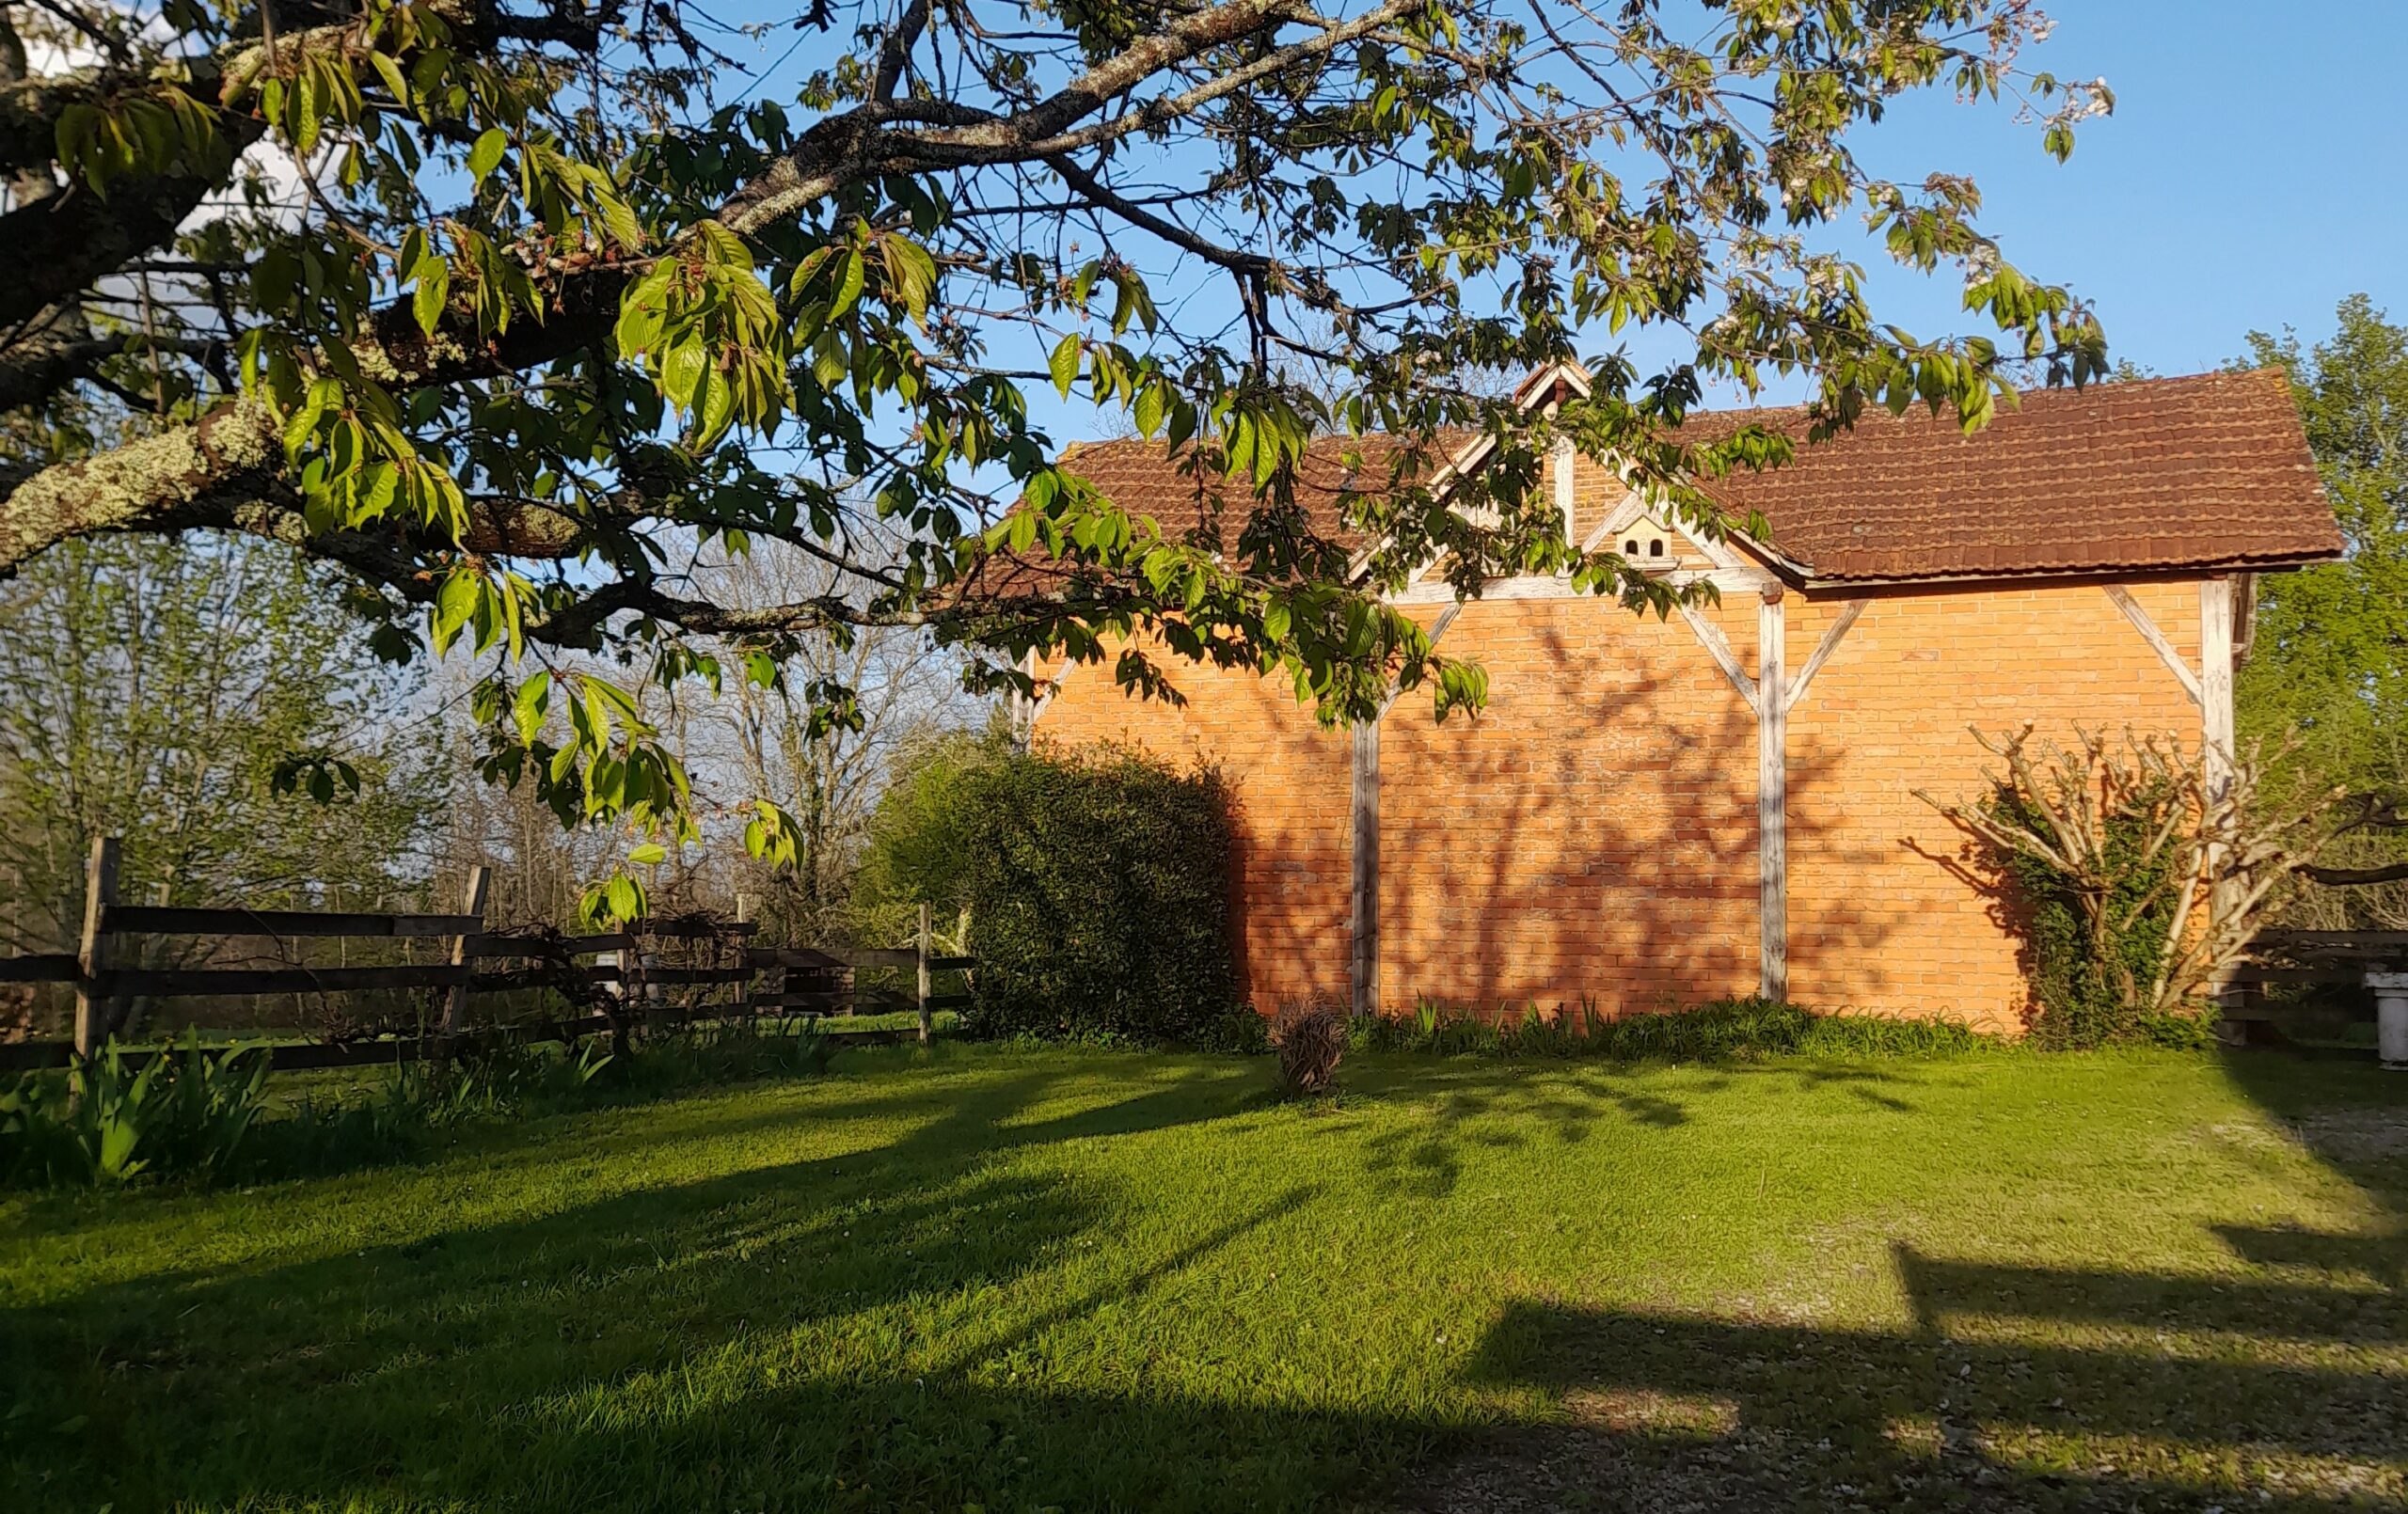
<point x="2088" y="573"/>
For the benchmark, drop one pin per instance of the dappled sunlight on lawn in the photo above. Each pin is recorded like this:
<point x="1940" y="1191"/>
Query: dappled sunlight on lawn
<point x="1051" y="1279"/>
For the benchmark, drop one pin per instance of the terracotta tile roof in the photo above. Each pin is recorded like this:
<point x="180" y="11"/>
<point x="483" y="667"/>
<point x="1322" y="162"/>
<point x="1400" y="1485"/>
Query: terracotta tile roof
<point x="1147" y="479"/>
<point x="2212" y="471"/>
<point x="1143" y="477"/>
<point x="2206" y="472"/>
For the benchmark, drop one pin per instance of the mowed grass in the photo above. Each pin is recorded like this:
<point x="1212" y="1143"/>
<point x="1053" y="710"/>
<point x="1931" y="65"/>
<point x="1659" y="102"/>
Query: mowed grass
<point x="1016" y="1280"/>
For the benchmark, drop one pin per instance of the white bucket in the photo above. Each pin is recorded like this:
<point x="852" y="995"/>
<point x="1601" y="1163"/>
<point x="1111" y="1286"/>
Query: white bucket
<point x="2390" y="1018"/>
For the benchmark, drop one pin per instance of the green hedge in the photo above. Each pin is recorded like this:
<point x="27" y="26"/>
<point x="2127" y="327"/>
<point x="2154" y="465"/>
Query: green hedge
<point x="1098" y="895"/>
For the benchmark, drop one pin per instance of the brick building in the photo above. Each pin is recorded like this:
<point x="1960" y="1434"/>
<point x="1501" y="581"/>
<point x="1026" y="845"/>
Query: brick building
<point x="1665" y="812"/>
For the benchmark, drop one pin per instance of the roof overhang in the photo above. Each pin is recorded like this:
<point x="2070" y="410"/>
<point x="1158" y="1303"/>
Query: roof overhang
<point x="2027" y="578"/>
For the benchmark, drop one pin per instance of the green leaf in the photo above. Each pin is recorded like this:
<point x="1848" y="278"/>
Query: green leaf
<point x="910" y="274"/>
<point x="506" y="591"/>
<point x="527" y="708"/>
<point x="1065" y="364"/>
<point x="455" y="603"/>
<point x="485" y="156"/>
<point x="391" y="72"/>
<point x="1276" y="621"/>
<point x="682" y="371"/>
<point x="619" y="219"/>
<point x="715" y="407"/>
<point x="650" y="852"/>
<point x="624" y="898"/>
<point x="433" y="290"/>
<point x="849" y="284"/>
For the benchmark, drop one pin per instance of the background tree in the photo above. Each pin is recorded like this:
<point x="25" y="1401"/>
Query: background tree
<point x="914" y="846"/>
<point x="823" y="765"/>
<point x="2330" y="655"/>
<point x="187" y="697"/>
<point x="505" y="307"/>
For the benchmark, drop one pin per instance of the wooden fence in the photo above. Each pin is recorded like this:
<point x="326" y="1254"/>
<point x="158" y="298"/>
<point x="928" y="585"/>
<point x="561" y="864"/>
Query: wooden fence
<point x="2310" y="958"/>
<point x="629" y="988"/>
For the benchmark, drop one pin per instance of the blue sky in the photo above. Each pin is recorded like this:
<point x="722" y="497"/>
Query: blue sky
<point x="2249" y="178"/>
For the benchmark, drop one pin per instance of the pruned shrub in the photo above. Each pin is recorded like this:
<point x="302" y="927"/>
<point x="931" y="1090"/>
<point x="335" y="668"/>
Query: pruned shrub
<point x="1310" y="1040"/>
<point x="1097" y="893"/>
<point x="2113" y="853"/>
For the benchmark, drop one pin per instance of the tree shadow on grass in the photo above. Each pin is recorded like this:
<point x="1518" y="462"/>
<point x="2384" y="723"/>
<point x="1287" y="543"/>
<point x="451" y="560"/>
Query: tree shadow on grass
<point x="1482" y="1105"/>
<point x="2352" y="1117"/>
<point x="859" y="1332"/>
<point x="2019" y="1389"/>
<point x="484" y="1362"/>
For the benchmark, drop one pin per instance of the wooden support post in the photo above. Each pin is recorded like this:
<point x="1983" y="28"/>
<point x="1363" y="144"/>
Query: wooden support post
<point x="2164" y="649"/>
<point x="928" y="1027"/>
<point x="2215" y="680"/>
<point x="1364" y="968"/>
<point x="1564" y="485"/>
<point x="1718" y="646"/>
<point x="1836" y="634"/>
<point x="1772" y="799"/>
<point x="455" y="1004"/>
<point x="92" y="955"/>
<point x="2215" y="720"/>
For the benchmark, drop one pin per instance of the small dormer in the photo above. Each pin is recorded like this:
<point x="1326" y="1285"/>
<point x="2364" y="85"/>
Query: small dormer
<point x="1647" y="545"/>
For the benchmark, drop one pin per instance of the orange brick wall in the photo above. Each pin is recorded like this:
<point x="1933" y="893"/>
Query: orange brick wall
<point x="1593" y="831"/>
<point x="1880" y="914"/>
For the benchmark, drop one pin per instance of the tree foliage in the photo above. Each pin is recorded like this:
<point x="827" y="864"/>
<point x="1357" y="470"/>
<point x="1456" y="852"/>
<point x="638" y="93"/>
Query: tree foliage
<point x="2330" y="656"/>
<point x="914" y="847"/>
<point x="510" y="307"/>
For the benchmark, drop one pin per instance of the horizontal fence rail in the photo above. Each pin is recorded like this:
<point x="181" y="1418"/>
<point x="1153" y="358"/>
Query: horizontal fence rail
<point x="629" y="986"/>
<point x="2309" y="959"/>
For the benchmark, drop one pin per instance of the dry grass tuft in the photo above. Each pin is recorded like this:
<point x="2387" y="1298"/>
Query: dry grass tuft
<point x="1310" y="1040"/>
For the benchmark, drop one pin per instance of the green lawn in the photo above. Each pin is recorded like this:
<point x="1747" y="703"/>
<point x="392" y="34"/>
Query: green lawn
<point x="1016" y="1280"/>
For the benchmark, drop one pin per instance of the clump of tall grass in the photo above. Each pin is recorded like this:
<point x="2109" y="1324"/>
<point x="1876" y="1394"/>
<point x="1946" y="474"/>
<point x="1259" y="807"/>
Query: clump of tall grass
<point x="106" y="1121"/>
<point x="1723" y="1030"/>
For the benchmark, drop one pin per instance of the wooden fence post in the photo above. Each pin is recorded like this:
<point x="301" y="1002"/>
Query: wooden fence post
<point x="455" y="1007"/>
<point x="928" y="1026"/>
<point x="91" y="994"/>
<point x="743" y="1005"/>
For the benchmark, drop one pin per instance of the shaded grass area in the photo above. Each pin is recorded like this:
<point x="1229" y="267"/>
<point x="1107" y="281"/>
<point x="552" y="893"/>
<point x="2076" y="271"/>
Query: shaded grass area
<point x="1025" y="1279"/>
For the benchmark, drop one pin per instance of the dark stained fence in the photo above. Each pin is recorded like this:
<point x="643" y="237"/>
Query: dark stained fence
<point x="2287" y="960"/>
<point x="630" y="989"/>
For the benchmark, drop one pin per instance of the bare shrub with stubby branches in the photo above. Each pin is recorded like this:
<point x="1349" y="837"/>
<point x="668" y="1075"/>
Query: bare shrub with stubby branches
<point x="1310" y="1040"/>
<point x="2147" y="870"/>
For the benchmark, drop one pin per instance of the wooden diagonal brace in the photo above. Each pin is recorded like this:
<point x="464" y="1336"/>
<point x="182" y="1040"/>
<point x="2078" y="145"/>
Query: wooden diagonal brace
<point x="2155" y="639"/>
<point x="1710" y="637"/>
<point x="1823" y="650"/>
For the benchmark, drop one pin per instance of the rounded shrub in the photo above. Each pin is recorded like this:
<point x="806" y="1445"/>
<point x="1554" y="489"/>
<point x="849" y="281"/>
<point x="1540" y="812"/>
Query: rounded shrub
<point x="1096" y="886"/>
